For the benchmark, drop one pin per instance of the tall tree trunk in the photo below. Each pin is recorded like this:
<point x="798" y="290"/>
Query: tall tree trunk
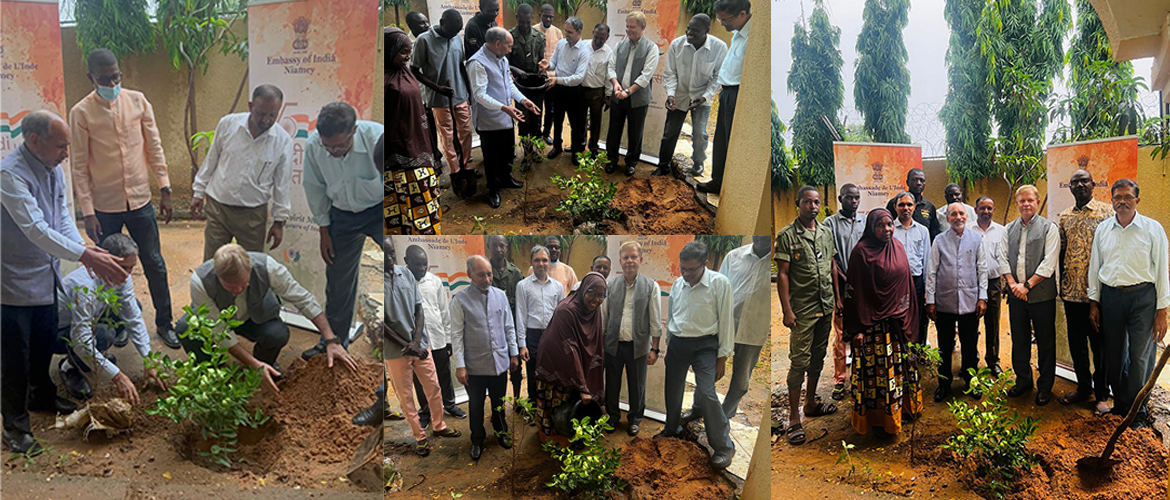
<point x="189" y="120"/>
<point x="240" y="91"/>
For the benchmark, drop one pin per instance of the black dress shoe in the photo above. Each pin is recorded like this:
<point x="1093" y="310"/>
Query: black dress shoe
<point x="690" y="416"/>
<point x="476" y="451"/>
<point x="455" y="411"/>
<point x="660" y="172"/>
<point x="370" y="416"/>
<point x="611" y="167"/>
<point x="494" y="199"/>
<point x="505" y="441"/>
<point x="21" y="442"/>
<point x="1018" y="390"/>
<point x="664" y="434"/>
<point x="556" y="151"/>
<point x="942" y="393"/>
<point x="547" y="138"/>
<point x="312" y="351"/>
<point x="57" y="405"/>
<point x="697" y="171"/>
<point x="630" y="169"/>
<point x="576" y="161"/>
<point x="423" y="423"/>
<point x="996" y="370"/>
<point x="75" y="382"/>
<point x="168" y="336"/>
<point x="121" y="337"/>
<point x="721" y="460"/>
<point x="633" y="430"/>
<point x="708" y="187"/>
<point x="1043" y="398"/>
<point x="510" y="183"/>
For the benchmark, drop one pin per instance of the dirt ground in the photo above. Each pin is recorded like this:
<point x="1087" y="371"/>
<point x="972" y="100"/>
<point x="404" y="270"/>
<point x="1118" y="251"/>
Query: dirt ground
<point x="146" y="463"/>
<point x="449" y="468"/>
<point x="669" y="207"/>
<point x="884" y="468"/>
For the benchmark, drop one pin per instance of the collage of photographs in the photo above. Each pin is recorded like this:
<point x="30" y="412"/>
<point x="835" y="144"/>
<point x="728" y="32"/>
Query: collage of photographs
<point x="600" y="266"/>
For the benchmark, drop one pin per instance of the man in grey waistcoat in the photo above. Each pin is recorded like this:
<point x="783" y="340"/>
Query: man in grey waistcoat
<point x="38" y="231"/>
<point x="956" y="293"/>
<point x="483" y="336"/>
<point x="632" y="330"/>
<point x="1027" y="261"/>
<point x="631" y="71"/>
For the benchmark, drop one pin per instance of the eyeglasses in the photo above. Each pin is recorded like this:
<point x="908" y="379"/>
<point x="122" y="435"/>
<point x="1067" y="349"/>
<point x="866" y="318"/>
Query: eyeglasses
<point x="1126" y="199"/>
<point x="591" y="292"/>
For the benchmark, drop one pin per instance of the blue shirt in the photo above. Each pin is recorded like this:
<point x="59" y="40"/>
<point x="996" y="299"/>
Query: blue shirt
<point x="732" y="69"/>
<point x="570" y="62"/>
<point x="347" y="183"/>
<point x="916" y="241"/>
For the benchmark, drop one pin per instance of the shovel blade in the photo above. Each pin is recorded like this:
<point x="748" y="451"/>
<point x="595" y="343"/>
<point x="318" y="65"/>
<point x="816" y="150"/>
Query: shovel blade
<point x="1097" y="463"/>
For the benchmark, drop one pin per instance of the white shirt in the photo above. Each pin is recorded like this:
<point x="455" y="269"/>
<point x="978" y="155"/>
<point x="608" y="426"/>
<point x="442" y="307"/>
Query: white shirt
<point x="1124" y="256"/>
<point x="79" y="311"/>
<point x="992" y="237"/>
<point x="535" y="303"/>
<point x="626" y="329"/>
<point x="693" y="73"/>
<point x="703" y="309"/>
<point x="246" y="172"/>
<point x="598" y="68"/>
<point x="569" y="62"/>
<point x="751" y="279"/>
<point x="436" y="309"/>
<point x="643" y="79"/>
<point x="282" y="284"/>
<point x="1047" y="266"/>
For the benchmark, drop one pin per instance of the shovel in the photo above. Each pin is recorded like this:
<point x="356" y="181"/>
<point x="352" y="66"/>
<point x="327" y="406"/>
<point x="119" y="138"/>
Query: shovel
<point x="1103" y="461"/>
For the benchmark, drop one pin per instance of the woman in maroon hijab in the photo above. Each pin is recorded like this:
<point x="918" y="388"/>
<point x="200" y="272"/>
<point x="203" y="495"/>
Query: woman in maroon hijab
<point x="881" y="321"/>
<point x="571" y="354"/>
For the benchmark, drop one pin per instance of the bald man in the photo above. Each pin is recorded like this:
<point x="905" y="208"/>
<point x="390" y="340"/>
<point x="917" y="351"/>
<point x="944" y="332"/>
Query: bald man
<point x="38" y="231"/>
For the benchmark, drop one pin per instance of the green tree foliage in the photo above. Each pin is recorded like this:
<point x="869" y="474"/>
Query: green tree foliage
<point x="782" y="177"/>
<point x="882" y="82"/>
<point x="815" y="78"/>
<point x="397" y="4"/>
<point x="122" y="26"/>
<point x="966" y="114"/>
<point x="700" y="7"/>
<point x="1022" y="41"/>
<point x="1103" y="98"/>
<point x="566" y="7"/>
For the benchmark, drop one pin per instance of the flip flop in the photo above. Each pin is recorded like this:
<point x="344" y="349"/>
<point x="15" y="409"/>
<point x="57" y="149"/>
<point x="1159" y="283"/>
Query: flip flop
<point x="838" y="392"/>
<point x="795" y="435"/>
<point x="822" y="409"/>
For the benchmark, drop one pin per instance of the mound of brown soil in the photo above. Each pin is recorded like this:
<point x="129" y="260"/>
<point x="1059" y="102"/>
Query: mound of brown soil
<point x="661" y="205"/>
<point x="313" y="410"/>
<point x="670" y="468"/>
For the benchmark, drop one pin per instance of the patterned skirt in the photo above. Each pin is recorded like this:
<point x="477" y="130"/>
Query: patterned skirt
<point x="885" y="381"/>
<point x="548" y="397"/>
<point x="412" y="202"/>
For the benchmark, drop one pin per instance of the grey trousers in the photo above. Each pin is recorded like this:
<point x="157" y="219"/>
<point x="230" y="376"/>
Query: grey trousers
<point x="635" y="369"/>
<point x="248" y="226"/>
<point x="1127" y="326"/>
<point x="700" y="355"/>
<point x="742" y="365"/>
<point x="348" y="231"/>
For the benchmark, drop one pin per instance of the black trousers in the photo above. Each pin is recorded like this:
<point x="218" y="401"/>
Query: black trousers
<point x="991" y="321"/>
<point x="434" y="139"/>
<point x="499" y="149"/>
<point x="27" y="337"/>
<point x="727" y="99"/>
<point x="635" y="369"/>
<point x="1127" y="325"/>
<point x="619" y="113"/>
<point x="143" y="228"/>
<point x="269" y="338"/>
<point x="968" y="326"/>
<point x="480" y="387"/>
<point x="1025" y="318"/>
<point x="442" y="359"/>
<point x="532" y="342"/>
<point x="920" y="293"/>
<point x="594" y="105"/>
<point x="570" y="101"/>
<point x="550" y="98"/>
<point x="530" y="127"/>
<point x="1081" y="335"/>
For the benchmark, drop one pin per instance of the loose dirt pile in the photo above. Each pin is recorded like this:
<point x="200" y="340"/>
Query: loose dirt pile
<point x="313" y="410"/>
<point x="670" y="468"/>
<point x="661" y="205"/>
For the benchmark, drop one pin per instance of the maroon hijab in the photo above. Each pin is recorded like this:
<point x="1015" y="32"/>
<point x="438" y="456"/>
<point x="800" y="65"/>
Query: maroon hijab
<point x="572" y="349"/>
<point x="879" y="286"/>
<point x="409" y="139"/>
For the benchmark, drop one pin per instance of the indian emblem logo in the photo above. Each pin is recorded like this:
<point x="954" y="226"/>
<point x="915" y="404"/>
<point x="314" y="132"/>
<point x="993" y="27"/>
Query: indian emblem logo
<point x="301" y="28"/>
<point x="637" y="5"/>
<point x="877" y="171"/>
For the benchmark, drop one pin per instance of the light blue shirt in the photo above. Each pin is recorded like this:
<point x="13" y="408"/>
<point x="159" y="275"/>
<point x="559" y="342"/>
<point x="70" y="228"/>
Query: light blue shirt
<point x="916" y="241"/>
<point x="347" y="183"/>
<point x="732" y="68"/>
<point x="707" y="308"/>
<point x="80" y="311"/>
<point x="1125" y="256"/>
<point x="570" y="62"/>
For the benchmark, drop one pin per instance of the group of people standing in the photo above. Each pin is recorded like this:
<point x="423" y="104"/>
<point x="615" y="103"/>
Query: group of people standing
<point x="879" y="279"/>
<point x="117" y="149"/>
<point x="443" y="85"/>
<point x="577" y="338"/>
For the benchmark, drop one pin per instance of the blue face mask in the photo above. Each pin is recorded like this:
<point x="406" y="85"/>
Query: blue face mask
<point x="109" y="93"/>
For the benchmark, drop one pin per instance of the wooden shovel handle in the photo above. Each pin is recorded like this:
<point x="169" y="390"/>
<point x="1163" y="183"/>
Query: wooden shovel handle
<point x="1137" y="403"/>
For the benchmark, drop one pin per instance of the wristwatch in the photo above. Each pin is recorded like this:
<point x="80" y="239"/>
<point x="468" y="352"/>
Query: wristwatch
<point x="1027" y="285"/>
<point x="655" y="351"/>
<point x="165" y="190"/>
<point x="334" y="340"/>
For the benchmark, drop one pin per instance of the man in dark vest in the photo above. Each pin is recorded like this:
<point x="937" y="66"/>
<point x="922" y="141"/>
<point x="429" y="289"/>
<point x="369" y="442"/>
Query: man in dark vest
<point x="632" y="330"/>
<point x="632" y="74"/>
<point x="256" y="284"/>
<point x="1028" y="257"/>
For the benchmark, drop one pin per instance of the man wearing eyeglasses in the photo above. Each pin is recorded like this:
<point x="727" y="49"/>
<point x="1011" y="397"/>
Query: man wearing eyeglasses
<point x="248" y="165"/>
<point x="341" y="182"/>
<point x="631" y="335"/>
<point x="701" y="329"/>
<point x="736" y="17"/>
<point x="116" y="149"/>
